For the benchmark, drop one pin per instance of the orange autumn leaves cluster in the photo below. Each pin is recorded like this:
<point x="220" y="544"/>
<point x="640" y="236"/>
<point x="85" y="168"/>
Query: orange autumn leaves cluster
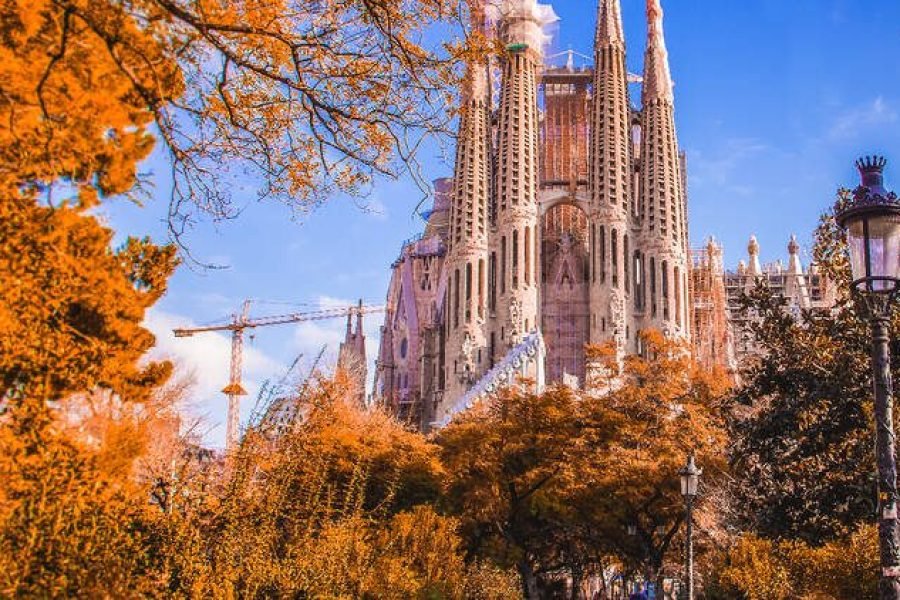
<point x="553" y="483"/>
<point x="304" y="97"/>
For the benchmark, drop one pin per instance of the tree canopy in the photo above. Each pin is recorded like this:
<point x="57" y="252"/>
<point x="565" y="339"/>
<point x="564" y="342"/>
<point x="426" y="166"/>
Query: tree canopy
<point x="305" y="97"/>
<point x="804" y="450"/>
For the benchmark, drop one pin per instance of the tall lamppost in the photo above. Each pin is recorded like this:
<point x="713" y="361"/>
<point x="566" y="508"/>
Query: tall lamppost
<point x="872" y="222"/>
<point x="690" y="479"/>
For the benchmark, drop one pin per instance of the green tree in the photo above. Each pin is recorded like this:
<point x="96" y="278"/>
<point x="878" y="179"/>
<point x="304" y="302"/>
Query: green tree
<point x="803" y="451"/>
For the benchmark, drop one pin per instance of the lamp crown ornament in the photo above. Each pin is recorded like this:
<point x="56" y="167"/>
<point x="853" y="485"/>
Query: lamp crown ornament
<point x="871" y="190"/>
<point x="871" y="169"/>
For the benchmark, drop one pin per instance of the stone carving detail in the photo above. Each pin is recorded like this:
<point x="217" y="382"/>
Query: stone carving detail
<point x="617" y="316"/>
<point x="467" y="359"/>
<point x="515" y="322"/>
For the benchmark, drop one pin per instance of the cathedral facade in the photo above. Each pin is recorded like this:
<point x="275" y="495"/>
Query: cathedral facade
<point x="564" y="224"/>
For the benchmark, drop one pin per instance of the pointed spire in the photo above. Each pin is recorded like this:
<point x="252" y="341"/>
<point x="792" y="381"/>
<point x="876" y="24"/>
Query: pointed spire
<point x="794" y="266"/>
<point x="609" y="23"/>
<point x="657" y="77"/>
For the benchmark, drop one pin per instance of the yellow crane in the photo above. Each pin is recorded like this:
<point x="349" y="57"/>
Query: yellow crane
<point x="239" y="322"/>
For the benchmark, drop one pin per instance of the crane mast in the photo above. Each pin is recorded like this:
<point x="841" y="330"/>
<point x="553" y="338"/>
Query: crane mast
<point x="235" y="389"/>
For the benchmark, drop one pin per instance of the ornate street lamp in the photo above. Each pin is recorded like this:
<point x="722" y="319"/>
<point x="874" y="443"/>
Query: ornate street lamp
<point x="872" y="222"/>
<point x="690" y="480"/>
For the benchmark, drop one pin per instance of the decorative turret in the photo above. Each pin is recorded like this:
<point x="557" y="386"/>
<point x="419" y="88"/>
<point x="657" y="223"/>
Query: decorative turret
<point x="795" y="281"/>
<point x="755" y="268"/>
<point x="662" y="193"/>
<point x="610" y="181"/>
<point x="465" y="300"/>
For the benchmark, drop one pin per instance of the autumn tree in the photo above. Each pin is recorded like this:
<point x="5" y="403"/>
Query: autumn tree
<point x="70" y="327"/>
<point x="757" y="568"/>
<point x="636" y="437"/>
<point x="340" y="504"/>
<point x="803" y="445"/>
<point x="508" y="464"/>
<point x="307" y="98"/>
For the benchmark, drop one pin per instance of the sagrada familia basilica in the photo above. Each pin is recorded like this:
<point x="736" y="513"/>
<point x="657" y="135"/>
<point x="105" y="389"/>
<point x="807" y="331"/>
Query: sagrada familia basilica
<point x="564" y="224"/>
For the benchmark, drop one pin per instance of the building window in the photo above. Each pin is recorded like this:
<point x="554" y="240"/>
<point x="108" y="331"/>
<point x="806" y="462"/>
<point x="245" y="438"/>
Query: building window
<point x="677" y="278"/>
<point x="481" y="288"/>
<point x="468" y="292"/>
<point x="492" y="282"/>
<point x="614" y="252"/>
<point x="527" y="256"/>
<point x="456" y="299"/>
<point x="602" y="245"/>
<point x="515" y="259"/>
<point x="503" y="265"/>
<point x="665" y="289"/>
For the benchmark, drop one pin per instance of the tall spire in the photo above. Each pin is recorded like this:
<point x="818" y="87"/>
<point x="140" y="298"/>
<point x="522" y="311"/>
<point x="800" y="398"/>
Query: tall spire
<point x="662" y="191"/>
<point x="611" y="180"/>
<point x="657" y="77"/>
<point x="464" y="301"/>
<point x="609" y="23"/>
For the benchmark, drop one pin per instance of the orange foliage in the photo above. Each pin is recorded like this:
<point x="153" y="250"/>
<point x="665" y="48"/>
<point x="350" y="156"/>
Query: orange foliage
<point x="310" y="96"/>
<point x="759" y="569"/>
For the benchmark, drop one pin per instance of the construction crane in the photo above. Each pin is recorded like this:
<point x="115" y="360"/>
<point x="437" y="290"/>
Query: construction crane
<point x="239" y="322"/>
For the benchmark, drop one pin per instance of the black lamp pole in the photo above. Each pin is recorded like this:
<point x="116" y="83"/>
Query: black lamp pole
<point x="872" y="222"/>
<point x="690" y="479"/>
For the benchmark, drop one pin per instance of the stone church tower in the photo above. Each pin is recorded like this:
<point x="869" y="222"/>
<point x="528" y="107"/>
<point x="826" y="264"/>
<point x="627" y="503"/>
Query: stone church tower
<point x="567" y="221"/>
<point x="465" y="319"/>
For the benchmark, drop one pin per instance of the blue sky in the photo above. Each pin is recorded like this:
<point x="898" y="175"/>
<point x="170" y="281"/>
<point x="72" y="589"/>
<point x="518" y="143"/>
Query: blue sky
<point x="774" y="100"/>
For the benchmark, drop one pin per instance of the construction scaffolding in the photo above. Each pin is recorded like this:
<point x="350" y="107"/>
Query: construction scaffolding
<point x="713" y="347"/>
<point x="565" y="124"/>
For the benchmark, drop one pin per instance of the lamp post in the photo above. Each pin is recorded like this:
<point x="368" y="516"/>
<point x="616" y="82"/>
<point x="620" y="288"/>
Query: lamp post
<point x="690" y="479"/>
<point x="872" y="222"/>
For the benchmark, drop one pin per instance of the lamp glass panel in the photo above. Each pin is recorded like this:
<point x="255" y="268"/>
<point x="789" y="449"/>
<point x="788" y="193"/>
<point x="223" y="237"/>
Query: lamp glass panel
<point x="884" y="249"/>
<point x="857" y="244"/>
<point x="692" y="485"/>
<point x="689" y="484"/>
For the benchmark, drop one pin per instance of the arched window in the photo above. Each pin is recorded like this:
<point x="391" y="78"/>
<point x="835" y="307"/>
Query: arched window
<point x="665" y="289"/>
<point x="515" y="259"/>
<point x="677" y="278"/>
<point x="481" y="288"/>
<point x="652" y="286"/>
<point x="456" y="298"/>
<point x="602" y="247"/>
<point x="503" y="265"/>
<point x="614" y="252"/>
<point x="527" y="256"/>
<point x="625" y="262"/>
<point x="468" y="292"/>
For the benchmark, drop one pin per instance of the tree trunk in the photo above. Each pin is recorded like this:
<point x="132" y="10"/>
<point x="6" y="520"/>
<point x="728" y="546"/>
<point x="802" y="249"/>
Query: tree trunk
<point x="577" y="578"/>
<point x="529" y="581"/>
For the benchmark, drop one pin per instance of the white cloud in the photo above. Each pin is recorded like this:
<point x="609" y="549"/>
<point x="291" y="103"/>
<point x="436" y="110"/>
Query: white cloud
<point x="722" y="169"/>
<point x="207" y="356"/>
<point x="853" y="121"/>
